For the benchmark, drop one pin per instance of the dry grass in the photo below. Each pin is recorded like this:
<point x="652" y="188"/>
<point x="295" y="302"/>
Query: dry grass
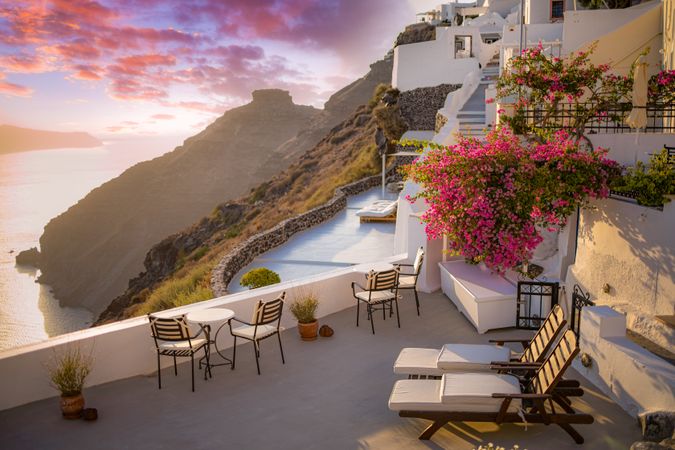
<point x="192" y="287"/>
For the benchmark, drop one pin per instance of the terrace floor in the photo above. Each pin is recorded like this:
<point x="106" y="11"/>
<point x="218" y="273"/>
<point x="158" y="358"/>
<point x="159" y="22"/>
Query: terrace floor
<point x="331" y="394"/>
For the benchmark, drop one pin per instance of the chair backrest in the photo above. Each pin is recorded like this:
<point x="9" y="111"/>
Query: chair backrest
<point x="419" y="259"/>
<point x="554" y="367"/>
<point x="379" y="281"/>
<point x="268" y="312"/>
<point x="545" y="336"/>
<point x="169" y="329"/>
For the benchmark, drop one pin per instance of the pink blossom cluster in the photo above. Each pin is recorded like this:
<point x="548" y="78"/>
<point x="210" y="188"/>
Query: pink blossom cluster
<point x="662" y="87"/>
<point x="490" y="198"/>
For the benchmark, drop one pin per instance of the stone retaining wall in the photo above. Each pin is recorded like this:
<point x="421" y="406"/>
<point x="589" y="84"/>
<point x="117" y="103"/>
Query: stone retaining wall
<point x="243" y="254"/>
<point x="419" y="106"/>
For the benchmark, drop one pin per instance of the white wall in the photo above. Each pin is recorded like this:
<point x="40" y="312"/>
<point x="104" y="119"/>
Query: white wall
<point x="627" y="148"/>
<point x="126" y="349"/>
<point x="539" y="11"/>
<point x="427" y="64"/>
<point x="630" y="248"/>
<point x="633" y="377"/>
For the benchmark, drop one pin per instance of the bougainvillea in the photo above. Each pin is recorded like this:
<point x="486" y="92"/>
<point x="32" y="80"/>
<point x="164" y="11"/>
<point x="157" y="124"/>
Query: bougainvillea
<point x="490" y="197"/>
<point x="662" y="87"/>
<point x="547" y="84"/>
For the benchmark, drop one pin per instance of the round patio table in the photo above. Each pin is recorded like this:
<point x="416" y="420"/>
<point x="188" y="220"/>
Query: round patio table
<point x="205" y="317"/>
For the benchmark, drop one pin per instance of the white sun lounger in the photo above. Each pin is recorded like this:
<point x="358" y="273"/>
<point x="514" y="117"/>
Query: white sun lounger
<point x="426" y="362"/>
<point x="378" y="210"/>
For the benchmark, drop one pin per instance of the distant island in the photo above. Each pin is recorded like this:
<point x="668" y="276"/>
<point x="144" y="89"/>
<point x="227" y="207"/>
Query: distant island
<point x="15" y="139"/>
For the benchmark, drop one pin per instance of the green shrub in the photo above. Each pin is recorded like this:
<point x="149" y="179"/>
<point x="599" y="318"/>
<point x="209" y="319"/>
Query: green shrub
<point x="304" y="306"/>
<point x="233" y="231"/>
<point x="259" y="277"/>
<point x="649" y="183"/>
<point x="68" y="371"/>
<point x="201" y="251"/>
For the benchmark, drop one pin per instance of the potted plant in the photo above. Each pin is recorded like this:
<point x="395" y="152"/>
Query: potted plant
<point x="67" y="373"/>
<point x="304" y="309"/>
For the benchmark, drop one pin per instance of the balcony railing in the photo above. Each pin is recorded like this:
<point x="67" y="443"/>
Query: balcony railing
<point x="660" y="118"/>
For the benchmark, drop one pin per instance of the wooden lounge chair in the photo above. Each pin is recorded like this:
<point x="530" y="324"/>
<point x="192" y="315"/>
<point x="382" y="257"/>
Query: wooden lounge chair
<point x="379" y="211"/>
<point x="432" y="363"/>
<point x="492" y="397"/>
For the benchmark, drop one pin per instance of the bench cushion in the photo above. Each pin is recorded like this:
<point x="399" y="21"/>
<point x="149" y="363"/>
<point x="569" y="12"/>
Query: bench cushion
<point x="418" y="361"/>
<point x="470" y="356"/>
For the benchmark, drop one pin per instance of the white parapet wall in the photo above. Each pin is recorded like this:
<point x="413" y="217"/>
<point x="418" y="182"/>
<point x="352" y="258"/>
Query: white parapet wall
<point x="125" y="349"/>
<point x="636" y="379"/>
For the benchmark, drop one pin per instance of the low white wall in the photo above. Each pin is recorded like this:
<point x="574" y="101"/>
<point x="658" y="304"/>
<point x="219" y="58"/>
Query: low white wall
<point x="427" y="64"/>
<point x="633" y="377"/>
<point x="126" y="349"/>
<point x="630" y="248"/>
<point x="628" y="148"/>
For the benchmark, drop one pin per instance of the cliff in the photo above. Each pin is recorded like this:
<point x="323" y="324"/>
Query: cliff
<point x="16" y="139"/>
<point x="90" y="252"/>
<point x="178" y="269"/>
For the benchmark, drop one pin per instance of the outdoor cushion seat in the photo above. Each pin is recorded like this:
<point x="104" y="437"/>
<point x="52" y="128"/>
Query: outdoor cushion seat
<point x="471" y="356"/>
<point x="468" y="392"/>
<point x="420" y="361"/>
<point x="375" y="296"/>
<point x="406" y="281"/>
<point x="247" y="331"/>
<point x="182" y="345"/>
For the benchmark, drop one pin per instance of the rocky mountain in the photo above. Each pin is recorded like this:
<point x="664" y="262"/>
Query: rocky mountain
<point x="17" y="139"/>
<point x="90" y="252"/>
<point x="178" y="269"/>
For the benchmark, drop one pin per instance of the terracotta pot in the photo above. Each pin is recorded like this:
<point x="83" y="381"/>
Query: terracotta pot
<point x="72" y="406"/>
<point x="308" y="331"/>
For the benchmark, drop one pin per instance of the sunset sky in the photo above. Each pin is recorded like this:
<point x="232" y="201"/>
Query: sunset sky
<point x="130" y="67"/>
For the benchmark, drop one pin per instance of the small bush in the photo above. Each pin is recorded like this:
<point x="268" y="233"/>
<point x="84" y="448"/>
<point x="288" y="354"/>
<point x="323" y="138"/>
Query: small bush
<point x="304" y="307"/>
<point x="259" y="277"/>
<point x="69" y="370"/>
<point x="233" y="231"/>
<point x="201" y="251"/>
<point x="649" y="183"/>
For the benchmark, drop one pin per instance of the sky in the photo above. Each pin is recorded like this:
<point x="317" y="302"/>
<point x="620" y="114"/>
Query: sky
<point x="158" y="67"/>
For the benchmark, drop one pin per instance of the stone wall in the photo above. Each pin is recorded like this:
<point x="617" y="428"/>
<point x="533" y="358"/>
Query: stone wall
<point x="419" y="106"/>
<point x="243" y="254"/>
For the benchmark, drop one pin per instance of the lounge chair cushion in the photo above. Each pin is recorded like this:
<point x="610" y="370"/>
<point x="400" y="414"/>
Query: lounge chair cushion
<point x="460" y="392"/>
<point x="181" y="345"/>
<point x="380" y="208"/>
<point x="406" y="282"/>
<point x="469" y="357"/>
<point x="375" y="296"/>
<point x="469" y="391"/>
<point x="247" y="331"/>
<point x="418" y="361"/>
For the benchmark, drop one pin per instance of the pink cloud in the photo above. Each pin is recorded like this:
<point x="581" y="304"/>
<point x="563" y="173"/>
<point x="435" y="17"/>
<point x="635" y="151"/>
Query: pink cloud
<point x="163" y="116"/>
<point x="23" y="63"/>
<point x="14" y="89"/>
<point x="87" y="72"/>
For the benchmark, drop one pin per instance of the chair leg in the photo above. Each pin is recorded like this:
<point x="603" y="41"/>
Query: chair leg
<point x="398" y="319"/>
<point x="358" y="304"/>
<point x="579" y="439"/>
<point x="370" y="316"/>
<point x="255" y="351"/>
<point x="417" y="301"/>
<point x="207" y="354"/>
<point x="234" y="353"/>
<point x="192" y="359"/>
<point x="283" y="361"/>
<point x="175" y="366"/>
<point x="159" y="372"/>
<point x="384" y="311"/>
<point x="432" y="429"/>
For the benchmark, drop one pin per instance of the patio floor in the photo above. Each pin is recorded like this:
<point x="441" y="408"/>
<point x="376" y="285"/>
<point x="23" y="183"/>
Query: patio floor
<point x="331" y="394"/>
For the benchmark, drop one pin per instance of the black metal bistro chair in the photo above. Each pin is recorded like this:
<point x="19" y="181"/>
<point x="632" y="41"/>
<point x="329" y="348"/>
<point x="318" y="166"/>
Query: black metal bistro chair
<point x="265" y="323"/>
<point x="380" y="293"/>
<point x="172" y="338"/>
<point x="408" y="281"/>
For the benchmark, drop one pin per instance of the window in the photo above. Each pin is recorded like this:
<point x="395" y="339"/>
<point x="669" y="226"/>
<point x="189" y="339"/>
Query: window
<point x="557" y="9"/>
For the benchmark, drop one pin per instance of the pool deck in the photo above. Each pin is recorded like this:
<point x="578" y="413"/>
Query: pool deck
<point x="331" y="394"/>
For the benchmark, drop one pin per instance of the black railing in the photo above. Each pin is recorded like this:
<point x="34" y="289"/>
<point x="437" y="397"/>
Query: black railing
<point x="612" y="119"/>
<point x="535" y="300"/>
<point x="579" y="300"/>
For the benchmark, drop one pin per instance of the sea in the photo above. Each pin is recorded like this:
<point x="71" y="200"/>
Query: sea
<point x="36" y="186"/>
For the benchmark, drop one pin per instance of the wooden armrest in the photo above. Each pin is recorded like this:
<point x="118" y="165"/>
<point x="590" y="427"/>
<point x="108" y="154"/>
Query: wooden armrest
<point x="354" y="284"/>
<point x="523" y="396"/>
<point x="501" y="342"/>
<point x="514" y="366"/>
<point x="240" y="321"/>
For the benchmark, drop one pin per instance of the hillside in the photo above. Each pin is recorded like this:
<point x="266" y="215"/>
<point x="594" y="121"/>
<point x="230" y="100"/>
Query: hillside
<point x="17" y="139"/>
<point x="89" y="253"/>
<point x="177" y="270"/>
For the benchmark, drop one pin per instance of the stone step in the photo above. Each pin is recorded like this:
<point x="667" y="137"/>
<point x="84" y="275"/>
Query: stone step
<point x="471" y="113"/>
<point x="464" y="120"/>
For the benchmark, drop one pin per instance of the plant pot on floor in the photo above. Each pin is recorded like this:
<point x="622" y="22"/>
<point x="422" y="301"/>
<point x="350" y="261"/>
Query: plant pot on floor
<point x="309" y="331"/>
<point x="72" y="406"/>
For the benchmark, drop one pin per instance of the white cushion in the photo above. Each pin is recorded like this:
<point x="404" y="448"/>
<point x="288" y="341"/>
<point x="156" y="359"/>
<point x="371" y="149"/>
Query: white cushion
<point x="418" y="361"/>
<point x="416" y="395"/>
<point x="469" y="391"/>
<point x="247" y="331"/>
<point x="380" y="208"/>
<point x="181" y="345"/>
<point x="375" y="296"/>
<point x="470" y="356"/>
<point x="406" y="281"/>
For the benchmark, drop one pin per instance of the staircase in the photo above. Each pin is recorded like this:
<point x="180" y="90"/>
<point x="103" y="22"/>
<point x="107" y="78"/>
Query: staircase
<point x="472" y="115"/>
